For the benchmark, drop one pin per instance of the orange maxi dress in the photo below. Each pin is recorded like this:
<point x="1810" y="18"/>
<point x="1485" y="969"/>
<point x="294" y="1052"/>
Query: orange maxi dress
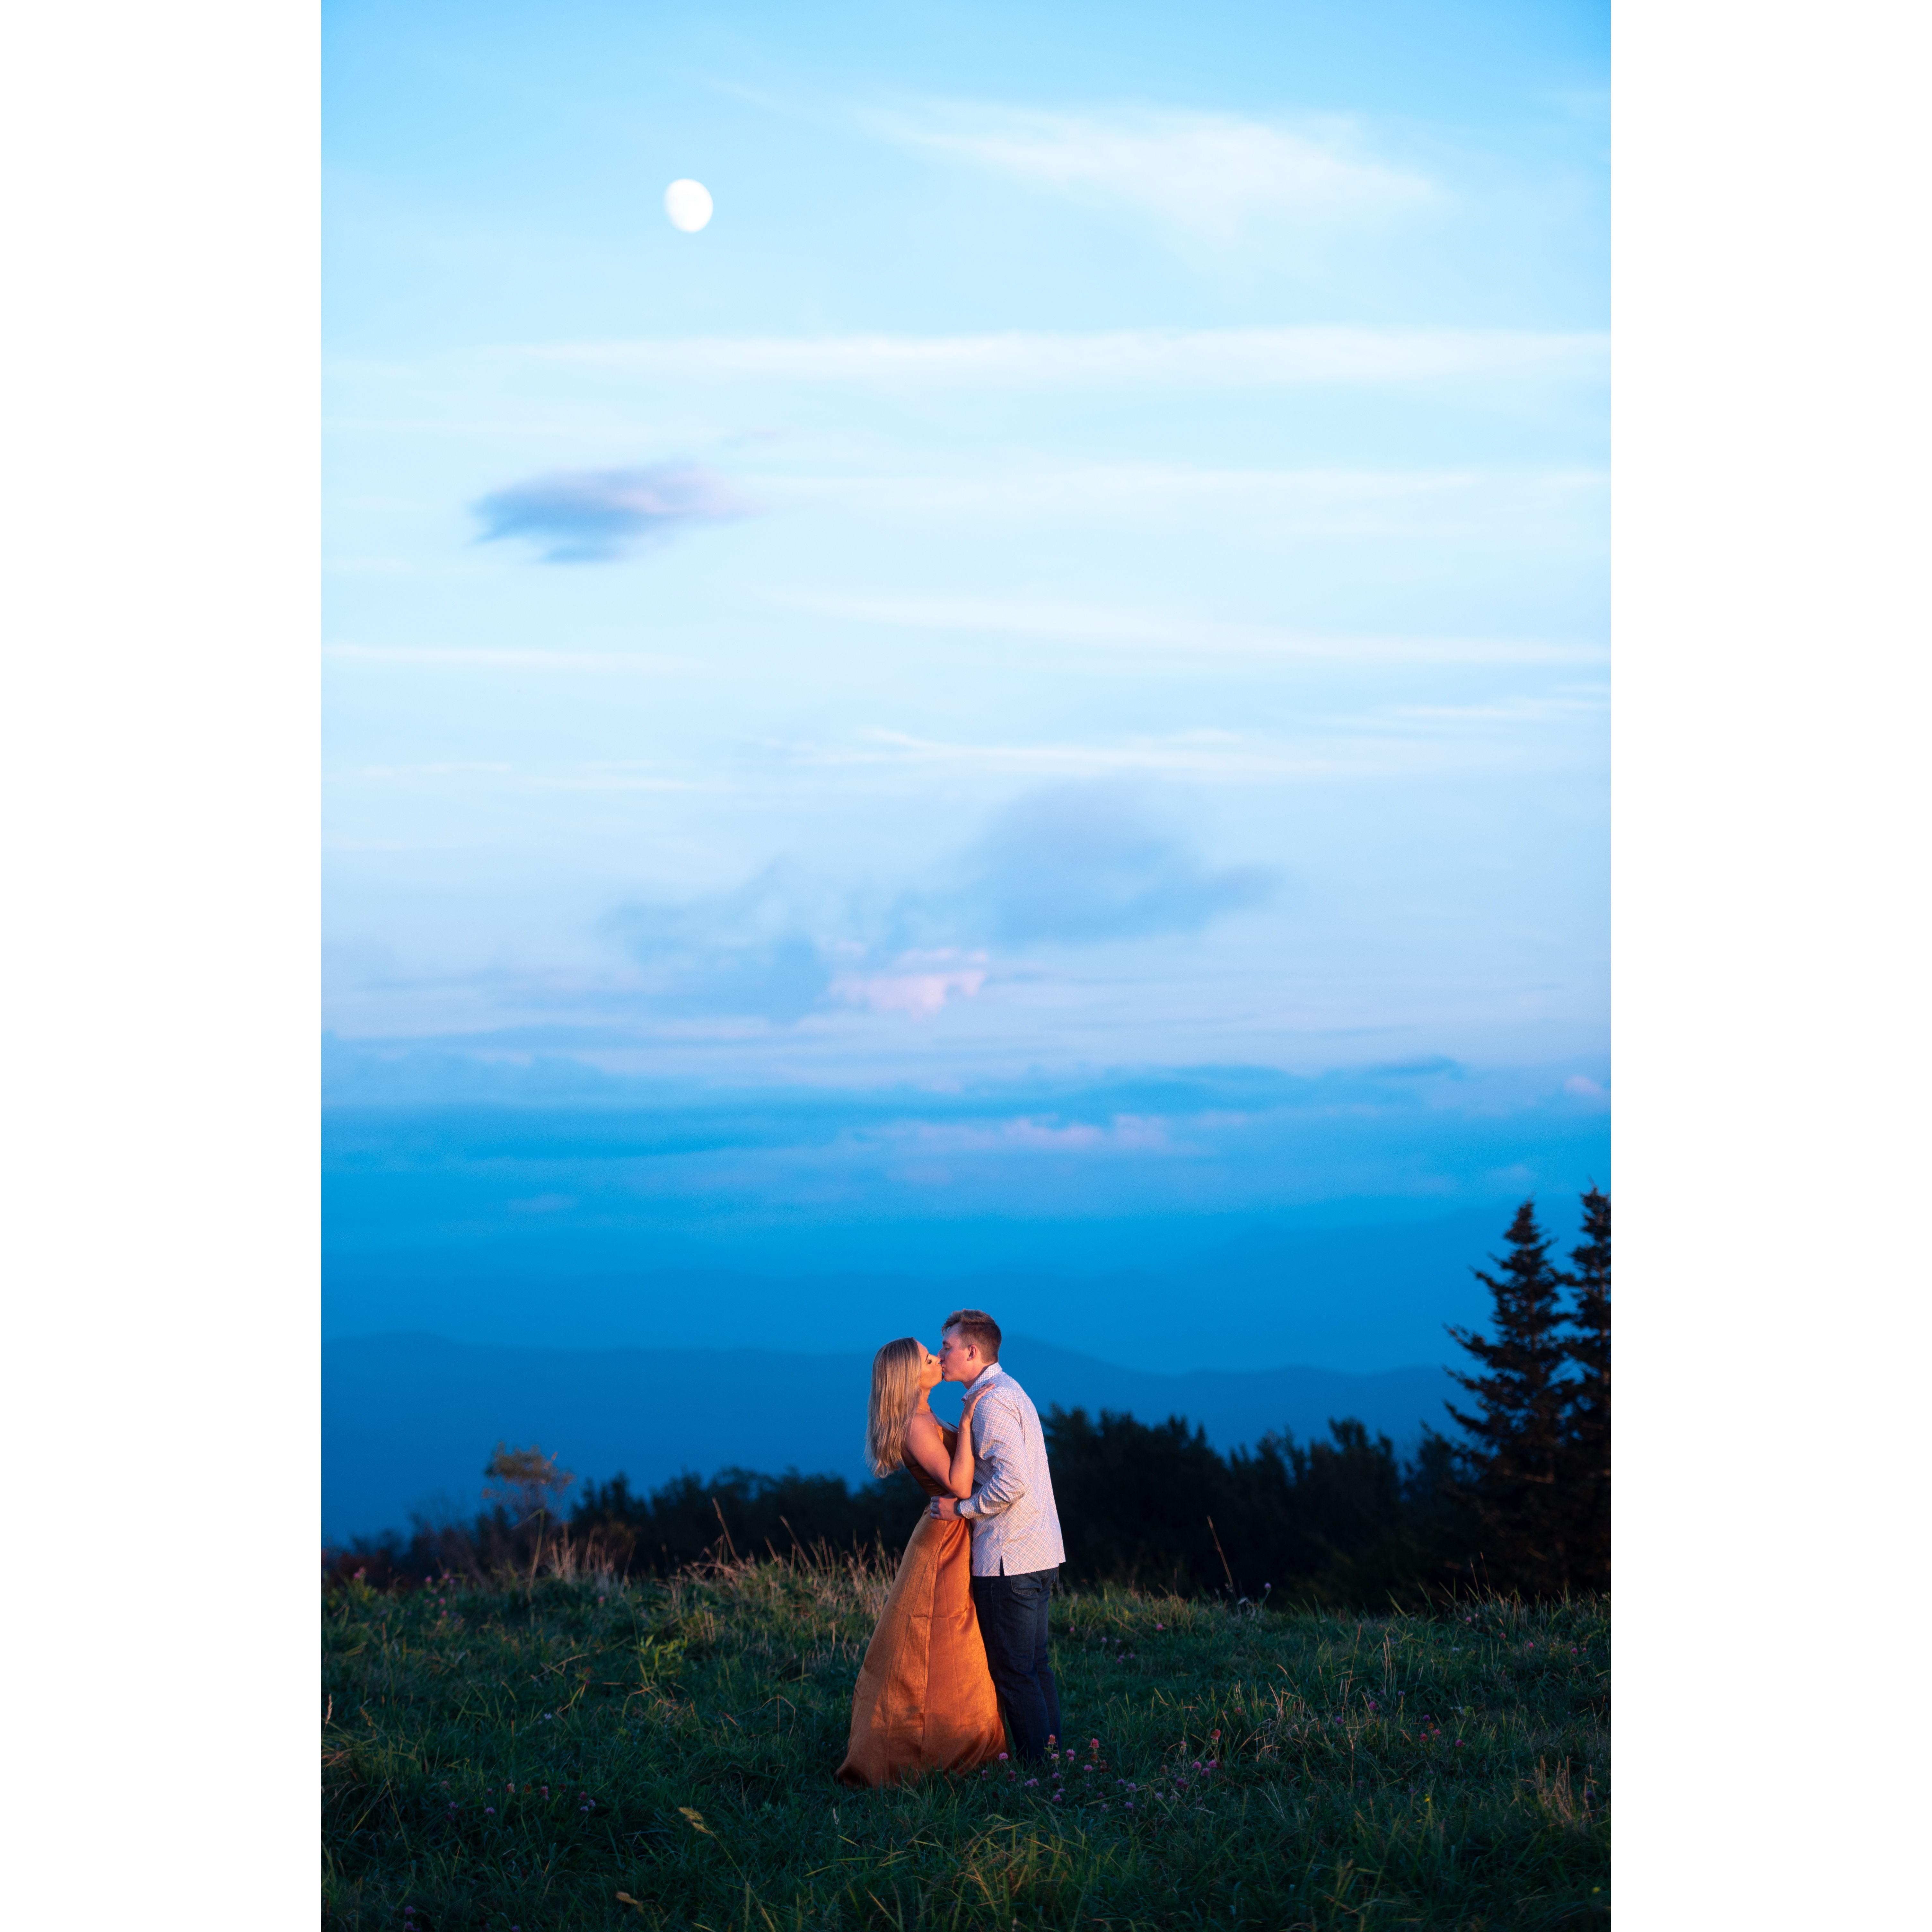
<point x="925" y="1699"/>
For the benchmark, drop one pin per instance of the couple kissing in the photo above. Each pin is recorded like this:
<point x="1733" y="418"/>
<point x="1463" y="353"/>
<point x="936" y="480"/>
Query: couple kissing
<point x="959" y="1656"/>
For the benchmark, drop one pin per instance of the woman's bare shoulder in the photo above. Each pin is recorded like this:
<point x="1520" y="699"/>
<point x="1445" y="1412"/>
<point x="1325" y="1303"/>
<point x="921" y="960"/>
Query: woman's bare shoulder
<point x="925" y="1422"/>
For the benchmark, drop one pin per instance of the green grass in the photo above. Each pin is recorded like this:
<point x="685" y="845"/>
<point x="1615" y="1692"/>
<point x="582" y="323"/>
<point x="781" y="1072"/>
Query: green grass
<point x="501" y="1758"/>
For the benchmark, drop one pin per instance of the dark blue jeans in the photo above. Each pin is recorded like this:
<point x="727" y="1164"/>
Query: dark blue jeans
<point x="1013" y="1625"/>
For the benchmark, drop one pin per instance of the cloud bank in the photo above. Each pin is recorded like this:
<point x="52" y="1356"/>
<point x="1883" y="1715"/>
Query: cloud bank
<point x="750" y="952"/>
<point x="1084" y="863"/>
<point x="594" y="516"/>
<point x="1081" y="864"/>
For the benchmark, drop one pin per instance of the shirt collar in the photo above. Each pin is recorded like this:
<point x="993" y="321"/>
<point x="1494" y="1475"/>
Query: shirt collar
<point x="985" y="1375"/>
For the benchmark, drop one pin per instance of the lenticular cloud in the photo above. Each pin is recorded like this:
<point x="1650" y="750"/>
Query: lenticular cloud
<point x="595" y="516"/>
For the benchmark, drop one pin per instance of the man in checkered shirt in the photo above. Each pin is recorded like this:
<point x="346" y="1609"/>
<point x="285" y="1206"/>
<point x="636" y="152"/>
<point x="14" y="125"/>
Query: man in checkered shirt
<point x="1017" y="1552"/>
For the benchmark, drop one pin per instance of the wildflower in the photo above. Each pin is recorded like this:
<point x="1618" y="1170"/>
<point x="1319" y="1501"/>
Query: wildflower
<point x="489" y="1810"/>
<point x="1031" y="1782"/>
<point x="1160" y="1626"/>
<point x="1086" y="1767"/>
<point x="1002" y="1757"/>
<point x="1093" y="1743"/>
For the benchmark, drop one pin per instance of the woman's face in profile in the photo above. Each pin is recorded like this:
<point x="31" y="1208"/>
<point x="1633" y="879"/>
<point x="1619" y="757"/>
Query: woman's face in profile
<point x="928" y="1374"/>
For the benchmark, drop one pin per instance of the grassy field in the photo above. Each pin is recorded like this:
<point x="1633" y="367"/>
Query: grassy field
<point x="591" y="1754"/>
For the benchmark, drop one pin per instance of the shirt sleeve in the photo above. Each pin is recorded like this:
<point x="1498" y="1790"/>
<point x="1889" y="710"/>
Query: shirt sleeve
<point x="1000" y="1477"/>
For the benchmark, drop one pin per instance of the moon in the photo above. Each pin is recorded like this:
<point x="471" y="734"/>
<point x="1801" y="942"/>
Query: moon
<point x="688" y="205"/>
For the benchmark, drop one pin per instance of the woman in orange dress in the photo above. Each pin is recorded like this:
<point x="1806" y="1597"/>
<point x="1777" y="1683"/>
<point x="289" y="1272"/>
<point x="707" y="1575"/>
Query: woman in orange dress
<point x="925" y="1699"/>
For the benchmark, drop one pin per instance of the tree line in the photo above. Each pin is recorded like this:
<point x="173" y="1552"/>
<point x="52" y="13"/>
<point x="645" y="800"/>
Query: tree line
<point x="1516" y="1497"/>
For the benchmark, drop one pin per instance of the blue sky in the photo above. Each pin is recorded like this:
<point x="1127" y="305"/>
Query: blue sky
<point x="1090" y="572"/>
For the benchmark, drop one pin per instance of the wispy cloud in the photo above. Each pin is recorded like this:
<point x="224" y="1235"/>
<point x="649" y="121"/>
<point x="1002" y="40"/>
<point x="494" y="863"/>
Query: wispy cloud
<point x="1205" y="358"/>
<point x="1516" y="508"/>
<point x="1395" y="743"/>
<point x="1079" y="864"/>
<point x="592" y="516"/>
<point x="1213" y="176"/>
<point x="1108" y="628"/>
<point x="1030" y="1134"/>
<point x="1566" y="705"/>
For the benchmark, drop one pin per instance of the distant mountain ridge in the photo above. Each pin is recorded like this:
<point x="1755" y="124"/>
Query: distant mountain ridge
<point x="409" y="1419"/>
<point x="1358" y="1296"/>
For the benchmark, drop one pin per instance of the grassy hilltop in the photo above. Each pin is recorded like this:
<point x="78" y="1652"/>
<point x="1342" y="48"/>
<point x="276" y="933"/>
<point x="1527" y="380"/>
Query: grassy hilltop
<point x="583" y="1752"/>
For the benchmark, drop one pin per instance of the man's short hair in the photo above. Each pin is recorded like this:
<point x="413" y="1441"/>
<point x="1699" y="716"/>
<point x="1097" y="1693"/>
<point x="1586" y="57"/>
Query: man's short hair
<point x="977" y="1326"/>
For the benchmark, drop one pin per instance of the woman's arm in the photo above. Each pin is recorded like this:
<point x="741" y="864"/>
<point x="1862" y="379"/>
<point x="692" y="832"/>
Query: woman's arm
<point x="959" y="1478"/>
<point x="927" y="1448"/>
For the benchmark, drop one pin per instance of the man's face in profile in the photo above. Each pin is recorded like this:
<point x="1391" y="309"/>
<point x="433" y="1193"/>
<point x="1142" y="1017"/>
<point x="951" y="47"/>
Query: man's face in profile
<point x="959" y="1360"/>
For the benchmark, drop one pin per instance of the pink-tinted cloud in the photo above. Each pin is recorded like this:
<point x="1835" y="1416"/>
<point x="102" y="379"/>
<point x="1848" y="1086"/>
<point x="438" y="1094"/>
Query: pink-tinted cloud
<point x="917" y="983"/>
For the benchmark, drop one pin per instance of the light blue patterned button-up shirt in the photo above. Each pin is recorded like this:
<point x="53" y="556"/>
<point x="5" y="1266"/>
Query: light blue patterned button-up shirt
<point x="1015" y="1526"/>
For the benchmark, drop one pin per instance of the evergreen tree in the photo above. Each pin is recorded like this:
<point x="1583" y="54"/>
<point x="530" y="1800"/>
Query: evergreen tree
<point x="1519" y="1447"/>
<point x="1587" y="1476"/>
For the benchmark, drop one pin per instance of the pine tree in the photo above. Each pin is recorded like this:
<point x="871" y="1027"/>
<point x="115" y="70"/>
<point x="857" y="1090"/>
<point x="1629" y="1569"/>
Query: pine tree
<point x="1517" y="1450"/>
<point x="1586" y="1481"/>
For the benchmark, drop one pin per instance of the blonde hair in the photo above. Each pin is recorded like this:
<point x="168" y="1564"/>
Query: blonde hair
<point x="896" y="1373"/>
